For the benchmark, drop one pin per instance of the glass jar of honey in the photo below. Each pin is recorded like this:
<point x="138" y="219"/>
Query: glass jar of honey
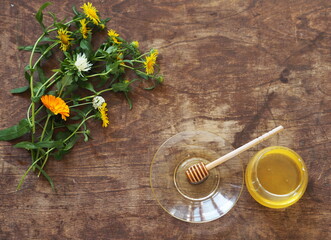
<point x="276" y="177"/>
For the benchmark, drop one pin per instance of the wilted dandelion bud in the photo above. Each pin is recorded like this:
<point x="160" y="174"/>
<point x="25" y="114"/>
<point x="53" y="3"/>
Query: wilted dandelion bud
<point x="98" y="101"/>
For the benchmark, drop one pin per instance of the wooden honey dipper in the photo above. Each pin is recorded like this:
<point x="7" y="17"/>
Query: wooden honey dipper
<point x="199" y="172"/>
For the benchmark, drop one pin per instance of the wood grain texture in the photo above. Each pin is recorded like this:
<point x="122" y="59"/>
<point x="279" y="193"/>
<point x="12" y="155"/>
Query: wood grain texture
<point x="235" y="68"/>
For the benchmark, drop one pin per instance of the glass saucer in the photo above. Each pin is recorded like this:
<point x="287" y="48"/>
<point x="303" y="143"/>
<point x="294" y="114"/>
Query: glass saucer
<point x="203" y="202"/>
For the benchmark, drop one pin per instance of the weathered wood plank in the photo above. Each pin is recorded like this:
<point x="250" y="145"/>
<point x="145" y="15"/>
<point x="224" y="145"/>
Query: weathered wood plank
<point x="235" y="68"/>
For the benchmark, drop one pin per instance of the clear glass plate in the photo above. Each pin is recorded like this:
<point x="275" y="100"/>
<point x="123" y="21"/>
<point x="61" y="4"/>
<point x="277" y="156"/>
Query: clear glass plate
<point x="203" y="202"/>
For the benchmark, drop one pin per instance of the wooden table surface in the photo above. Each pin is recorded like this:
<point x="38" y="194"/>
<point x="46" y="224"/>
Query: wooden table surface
<point x="236" y="68"/>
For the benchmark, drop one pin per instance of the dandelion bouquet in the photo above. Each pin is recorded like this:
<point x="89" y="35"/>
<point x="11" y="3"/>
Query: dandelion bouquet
<point x="58" y="112"/>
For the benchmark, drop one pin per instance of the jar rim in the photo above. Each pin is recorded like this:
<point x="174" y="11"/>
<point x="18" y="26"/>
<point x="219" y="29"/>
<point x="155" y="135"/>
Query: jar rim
<point x="270" y="199"/>
<point x="263" y="152"/>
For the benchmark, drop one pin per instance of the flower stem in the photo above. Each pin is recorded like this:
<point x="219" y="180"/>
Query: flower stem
<point x="138" y="61"/>
<point x="34" y="49"/>
<point x="53" y="29"/>
<point x="43" y="165"/>
<point x="61" y="90"/>
<point x="81" y="104"/>
<point x="97" y="94"/>
<point x="41" y="139"/>
<point x="74" y="132"/>
<point x="29" y="169"/>
<point x="48" y="151"/>
<point x="45" y="127"/>
<point x="32" y="108"/>
<point x="99" y="74"/>
<point x="143" y="55"/>
<point x="85" y="98"/>
<point x="105" y="90"/>
<point x="135" y="69"/>
<point x="31" y="85"/>
<point x="44" y="53"/>
<point x="47" y="81"/>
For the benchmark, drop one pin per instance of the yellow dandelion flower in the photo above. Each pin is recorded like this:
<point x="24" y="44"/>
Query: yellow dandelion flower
<point x="113" y="35"/>
<point x="103" y="111"/>
<point x="91" y="12"/>
<point x="83" y="29"/>
<point x="64" y="37"/>
<point x="56" y="105"/>
<point x="135" y="44"/>
<point x="150" y="62"/>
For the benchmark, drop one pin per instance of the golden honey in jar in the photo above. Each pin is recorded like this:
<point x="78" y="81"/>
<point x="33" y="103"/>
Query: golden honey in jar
<point x="276" y="177"/>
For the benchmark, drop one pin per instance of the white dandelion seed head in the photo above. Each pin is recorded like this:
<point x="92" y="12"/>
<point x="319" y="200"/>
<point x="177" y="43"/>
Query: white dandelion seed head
<point x="82" y="64"/>
<point x="98" y="101"/>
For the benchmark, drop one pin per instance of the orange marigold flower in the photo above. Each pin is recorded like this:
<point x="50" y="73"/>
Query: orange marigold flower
<point x="56" y="105"/>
